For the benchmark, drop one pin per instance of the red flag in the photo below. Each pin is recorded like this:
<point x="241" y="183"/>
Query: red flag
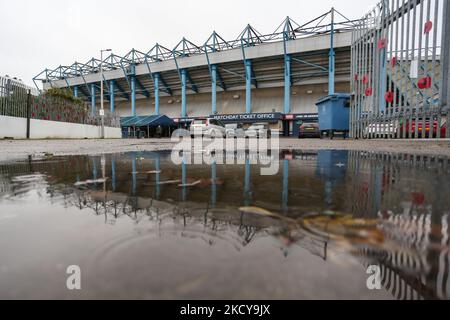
<point x="369" y="92"/>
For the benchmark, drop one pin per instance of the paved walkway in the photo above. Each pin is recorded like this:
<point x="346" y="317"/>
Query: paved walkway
<point x="22" y="148"/>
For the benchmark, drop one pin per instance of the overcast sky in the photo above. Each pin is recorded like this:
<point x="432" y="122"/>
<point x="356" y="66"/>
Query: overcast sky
<point x="36" y="34"/>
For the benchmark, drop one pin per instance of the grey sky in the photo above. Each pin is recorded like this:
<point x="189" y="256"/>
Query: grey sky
<point x="49" y="33"/>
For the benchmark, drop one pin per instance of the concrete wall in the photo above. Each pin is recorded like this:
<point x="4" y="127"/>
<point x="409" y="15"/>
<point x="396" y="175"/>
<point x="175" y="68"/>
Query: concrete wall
<point x="11" y="127"/>
<point x="263" y="100"/>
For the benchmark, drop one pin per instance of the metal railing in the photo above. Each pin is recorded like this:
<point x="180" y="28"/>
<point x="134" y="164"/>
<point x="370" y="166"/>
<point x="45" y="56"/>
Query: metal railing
<point x="52" y="108"/>
<point x="17" y="100"/>
<point x="13" y="98"/>
<point x="400" y="58"/>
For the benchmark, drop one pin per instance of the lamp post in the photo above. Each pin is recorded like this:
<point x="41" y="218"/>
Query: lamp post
<point x="102" y="109"/>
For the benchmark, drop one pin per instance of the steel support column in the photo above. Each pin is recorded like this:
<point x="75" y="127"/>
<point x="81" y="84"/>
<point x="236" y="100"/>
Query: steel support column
<point x="113" y="173"/>
<point x="75" y="91"/>
<point x="331" y="68"/>
<point x="111" y="96"/>
<point x="213" y="184"/>
<point x="285" y="194"/>
<point x="134" y="176"/>
<point x="247" y="182"/>
<point x="158" y="176"/>
<point x="156" y="79"/>
<point x="133" y="96"/>
<point x="94" y="169"/>
<point x="214" y="89"/>
<point x="248" y="86"/>
<point x="93" y="108"/>
<point x="183" y="93"/>
<point x="287" y="84"/>
<point x="183" y="180"/>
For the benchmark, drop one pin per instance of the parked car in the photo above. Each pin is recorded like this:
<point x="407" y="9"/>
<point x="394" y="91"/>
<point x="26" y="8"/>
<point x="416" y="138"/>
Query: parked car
<point x="309" y="130"/>
<point x="208" y="127"/>
<point x="412" y="129"/>
<point x="235" y="130"/>
<point x="258" y="130"/>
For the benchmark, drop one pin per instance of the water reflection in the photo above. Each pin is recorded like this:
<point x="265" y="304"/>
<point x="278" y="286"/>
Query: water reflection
<point x="386" y="209"/>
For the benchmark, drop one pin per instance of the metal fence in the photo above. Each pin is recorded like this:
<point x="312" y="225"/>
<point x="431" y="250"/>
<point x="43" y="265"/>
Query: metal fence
<point x="417" y="219"/>
<point x="400" y="71"/>
<point x="13" y="98"/>
<point x="59" y="109"/>
<point x="18" y="100"/>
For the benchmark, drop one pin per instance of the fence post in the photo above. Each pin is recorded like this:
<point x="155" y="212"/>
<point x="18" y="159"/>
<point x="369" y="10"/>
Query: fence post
<point x="28" y="113"/>
<point x="445" y="62"/>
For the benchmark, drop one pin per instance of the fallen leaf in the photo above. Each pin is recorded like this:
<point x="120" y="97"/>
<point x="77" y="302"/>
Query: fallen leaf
<point x="256" y="210"/>
<point x="190" y="184"/>
<point x="154" y="172"/>
<point x="345" y="227"/>
<point x="88" y="182"/>
<point x="169" y="182"/>
<point x="266" y="213"/>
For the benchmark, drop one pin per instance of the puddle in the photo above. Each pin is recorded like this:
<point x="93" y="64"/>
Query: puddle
<point x="140" y="226"/>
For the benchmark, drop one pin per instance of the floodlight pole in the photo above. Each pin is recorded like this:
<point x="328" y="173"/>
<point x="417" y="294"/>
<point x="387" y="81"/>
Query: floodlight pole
<point x="102" y="108"/>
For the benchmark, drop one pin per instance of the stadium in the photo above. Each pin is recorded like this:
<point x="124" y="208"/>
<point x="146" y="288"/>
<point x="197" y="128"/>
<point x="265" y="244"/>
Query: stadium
<point x="393" y="64"/>
<point x="275" y="78"/>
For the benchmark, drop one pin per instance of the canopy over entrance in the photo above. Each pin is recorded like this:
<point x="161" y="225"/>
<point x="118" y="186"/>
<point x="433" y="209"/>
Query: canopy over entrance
<point x="146" y="121"/>
<point x="147" y="126"/>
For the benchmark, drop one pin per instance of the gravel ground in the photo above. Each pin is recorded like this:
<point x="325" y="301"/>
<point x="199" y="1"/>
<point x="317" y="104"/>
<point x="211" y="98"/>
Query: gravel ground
<point x="22" y="148"/>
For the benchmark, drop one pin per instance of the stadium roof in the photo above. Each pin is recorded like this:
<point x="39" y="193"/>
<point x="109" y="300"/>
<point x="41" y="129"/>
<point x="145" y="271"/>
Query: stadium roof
<point x="249" y="37"/>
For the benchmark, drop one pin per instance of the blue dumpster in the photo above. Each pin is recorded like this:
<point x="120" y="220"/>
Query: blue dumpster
<point x="334" y="113"/>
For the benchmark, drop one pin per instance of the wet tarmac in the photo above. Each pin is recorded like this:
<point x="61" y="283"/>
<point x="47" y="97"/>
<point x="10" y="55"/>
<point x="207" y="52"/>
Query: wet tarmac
<point x="140" y="226"/>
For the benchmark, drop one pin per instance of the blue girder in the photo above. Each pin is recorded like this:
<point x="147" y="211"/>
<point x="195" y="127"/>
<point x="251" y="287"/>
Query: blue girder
<point x="249" y="37"/>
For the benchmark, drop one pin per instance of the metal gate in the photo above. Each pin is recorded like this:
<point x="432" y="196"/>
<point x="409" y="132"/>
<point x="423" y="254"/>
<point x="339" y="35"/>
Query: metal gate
<point x="400" y="71"/>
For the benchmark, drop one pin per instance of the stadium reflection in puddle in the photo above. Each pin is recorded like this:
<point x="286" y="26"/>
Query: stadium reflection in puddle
<point x="139" y="226"/>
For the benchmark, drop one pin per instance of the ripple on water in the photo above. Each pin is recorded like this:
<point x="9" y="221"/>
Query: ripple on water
<point x="166" y="262"/>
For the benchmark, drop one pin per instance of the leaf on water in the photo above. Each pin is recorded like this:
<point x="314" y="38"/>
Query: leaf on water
<point x="259" y="211"/>
<point x="346" y="227"/>
<point x="331" y="213"/>
<point x="363" y="223"/>
<point x="267" y="213"/>
<point x="145" y="172"/>
<point x="169" y="182"/>
<point x="190" y="184"/>
<point x="88" y="182"/>
<point x="153" y="172"/>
